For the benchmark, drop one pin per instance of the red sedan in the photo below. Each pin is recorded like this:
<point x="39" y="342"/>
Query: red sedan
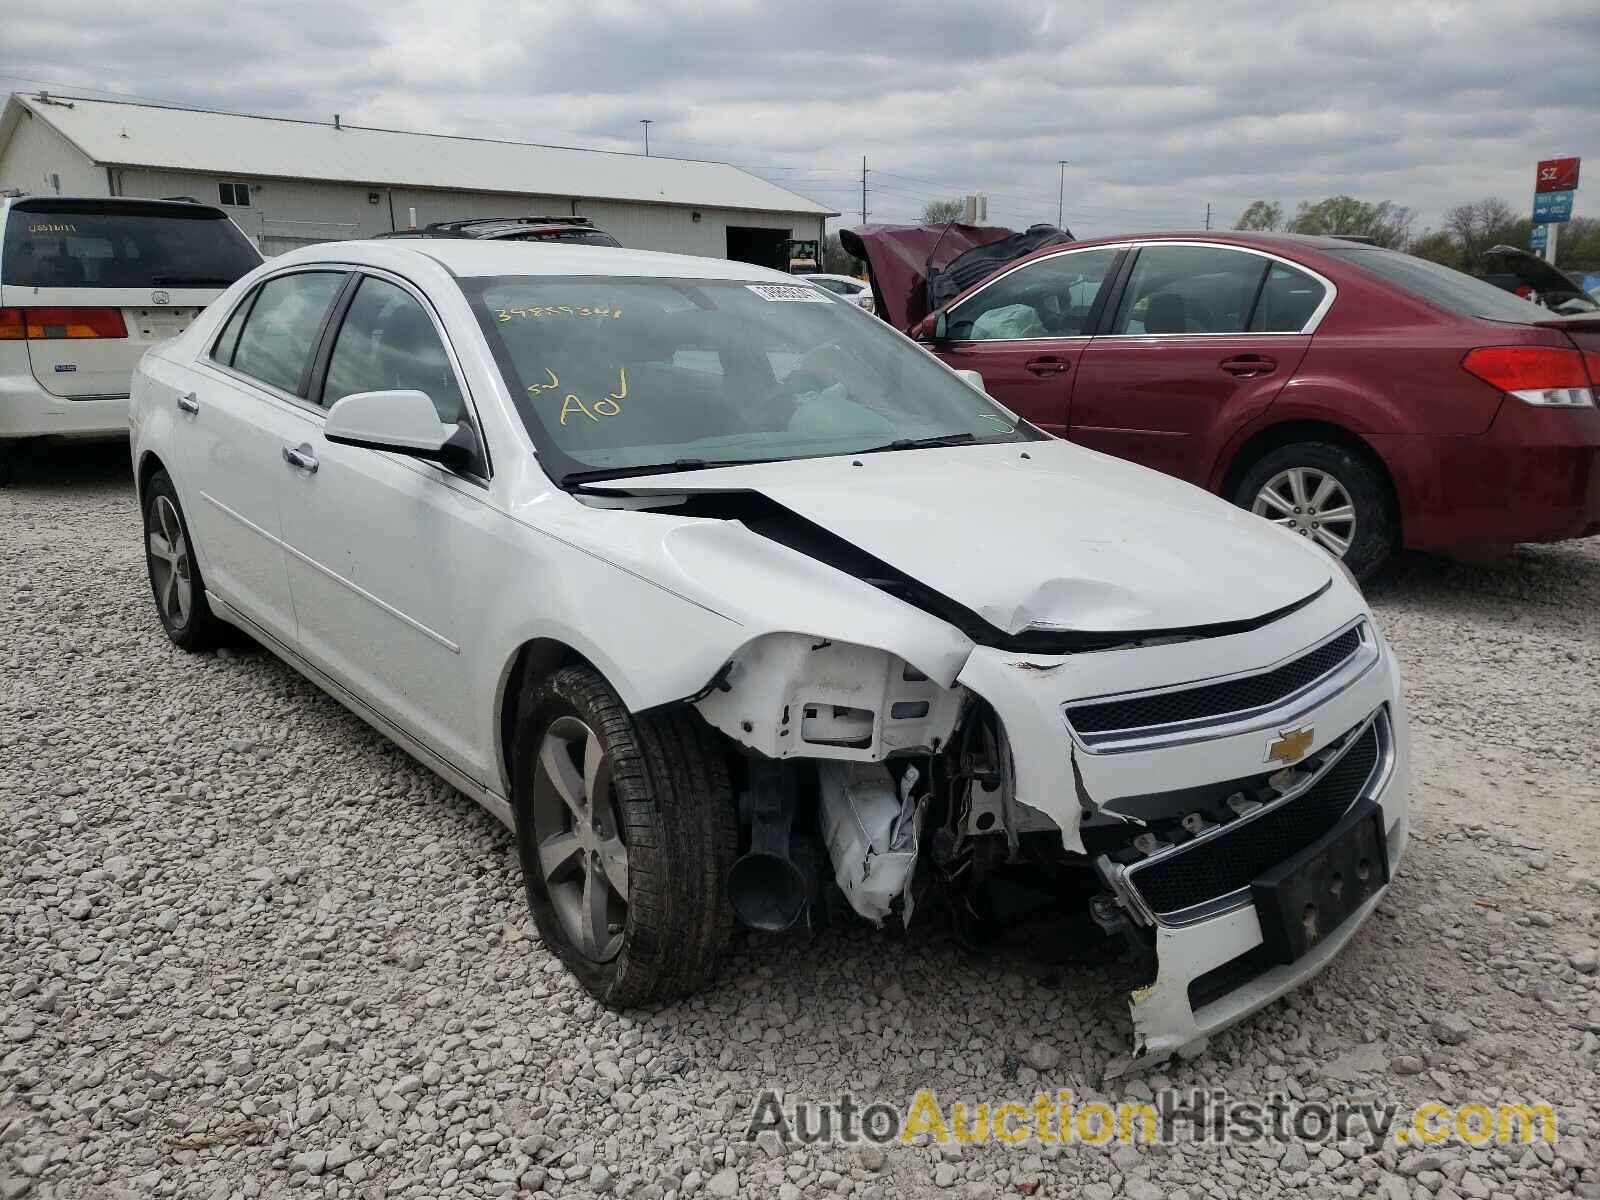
<point x="1361" y="397"/>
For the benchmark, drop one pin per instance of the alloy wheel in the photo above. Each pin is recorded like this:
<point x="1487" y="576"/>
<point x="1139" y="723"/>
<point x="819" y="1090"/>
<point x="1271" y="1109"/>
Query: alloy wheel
<point x="582" y="855"/>
<point x="170" y="567"/>
<point x="1311" y="502"/>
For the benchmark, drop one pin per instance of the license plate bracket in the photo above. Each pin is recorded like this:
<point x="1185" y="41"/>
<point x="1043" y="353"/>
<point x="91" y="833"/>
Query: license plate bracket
<point x="1309" y="895"/>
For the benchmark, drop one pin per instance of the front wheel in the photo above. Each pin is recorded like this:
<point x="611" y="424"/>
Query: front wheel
<point x="1328" y="495"/>
<point x="627" y="827"/>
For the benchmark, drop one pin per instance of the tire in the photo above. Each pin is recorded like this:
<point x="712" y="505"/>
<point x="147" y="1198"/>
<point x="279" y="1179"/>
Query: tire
<point x="664" y="802"/>
<point x="175" y="581"/>
<point x="1370" y="530"/>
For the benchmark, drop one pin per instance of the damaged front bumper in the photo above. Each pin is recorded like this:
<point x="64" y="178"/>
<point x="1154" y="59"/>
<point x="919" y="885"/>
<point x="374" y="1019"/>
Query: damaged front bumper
<point x="1334" y="750"/>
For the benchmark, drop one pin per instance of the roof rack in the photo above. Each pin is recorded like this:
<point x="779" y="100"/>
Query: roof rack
<point x="452" y="226"/>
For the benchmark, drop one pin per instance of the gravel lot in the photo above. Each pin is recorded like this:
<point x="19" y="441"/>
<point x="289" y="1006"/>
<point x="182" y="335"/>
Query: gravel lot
<point x="250" y="949"/>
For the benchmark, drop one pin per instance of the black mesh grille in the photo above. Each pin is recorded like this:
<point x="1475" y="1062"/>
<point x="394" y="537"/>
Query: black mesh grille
<point x="1216" y="699"/>
<point x="1231" y="860"/>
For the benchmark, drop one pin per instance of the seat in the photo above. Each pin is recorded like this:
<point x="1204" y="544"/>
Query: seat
<point x="1164" y="313"/>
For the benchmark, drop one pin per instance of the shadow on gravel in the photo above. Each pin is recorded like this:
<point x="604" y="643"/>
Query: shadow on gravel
<point x="1554" y="575"/>
<point x="71" y="465"/>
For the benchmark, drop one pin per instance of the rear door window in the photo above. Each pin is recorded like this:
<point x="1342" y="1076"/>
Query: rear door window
<point x="67" y="245"/>
<point x="1189" y="289"/>
<point x="281" y="330"/>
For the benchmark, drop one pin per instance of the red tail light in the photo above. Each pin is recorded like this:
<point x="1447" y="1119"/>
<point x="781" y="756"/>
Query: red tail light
<point x="48" y="324"/>
<point x="1542" y="375"/>
<point x="10" y="324"/>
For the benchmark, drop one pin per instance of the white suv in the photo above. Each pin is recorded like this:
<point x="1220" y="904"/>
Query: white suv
<point x="87" y="286"/>
<point x="732" y="601"/>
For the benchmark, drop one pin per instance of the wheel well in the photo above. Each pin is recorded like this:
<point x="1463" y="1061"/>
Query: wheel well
<point x="534" y="660"/>
<point x="148" y="466"/>
<point x="1289" y="432"/>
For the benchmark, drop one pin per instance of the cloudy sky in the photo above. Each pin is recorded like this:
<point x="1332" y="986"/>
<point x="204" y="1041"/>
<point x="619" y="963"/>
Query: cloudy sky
<point x="1160" y="109"/>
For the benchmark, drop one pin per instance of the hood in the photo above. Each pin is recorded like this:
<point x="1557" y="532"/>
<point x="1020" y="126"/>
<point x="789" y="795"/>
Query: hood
<point x="1040" y="537"/>
<point x="1553" y="287"/>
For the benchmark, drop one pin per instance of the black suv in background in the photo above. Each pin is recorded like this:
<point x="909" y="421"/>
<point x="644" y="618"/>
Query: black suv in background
<point x="513" y="229"/>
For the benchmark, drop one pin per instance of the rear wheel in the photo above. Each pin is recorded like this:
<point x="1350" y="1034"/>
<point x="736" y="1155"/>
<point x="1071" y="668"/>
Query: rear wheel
<point x="1327" y="494"/>
<point x="175" y="582"/>
<point x="627" y="828"/>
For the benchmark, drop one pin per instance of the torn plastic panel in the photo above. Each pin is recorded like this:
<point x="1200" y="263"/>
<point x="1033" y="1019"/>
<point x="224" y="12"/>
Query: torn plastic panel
<point x="872" y="833"/>
<point x="787" y="695"/>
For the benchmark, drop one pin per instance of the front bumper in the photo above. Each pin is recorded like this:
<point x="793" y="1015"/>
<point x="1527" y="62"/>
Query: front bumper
<point x="1210" y="971"/>
<point x="28" y="411"/>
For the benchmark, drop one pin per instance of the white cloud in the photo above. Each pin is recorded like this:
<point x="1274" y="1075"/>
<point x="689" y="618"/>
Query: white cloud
<point x="1160" y="108"/>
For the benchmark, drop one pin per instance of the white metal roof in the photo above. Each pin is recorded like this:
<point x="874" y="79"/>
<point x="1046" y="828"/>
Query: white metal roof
<point x="115" y="133"/>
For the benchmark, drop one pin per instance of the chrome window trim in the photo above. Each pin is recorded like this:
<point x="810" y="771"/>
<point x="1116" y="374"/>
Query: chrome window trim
<point x="1283" y="711"/>
<point x="1121" y="876"/>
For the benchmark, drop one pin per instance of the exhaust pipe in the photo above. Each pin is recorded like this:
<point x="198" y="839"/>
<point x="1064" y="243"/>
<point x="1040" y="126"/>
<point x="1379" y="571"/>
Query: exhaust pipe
<point x="767" y="889"/>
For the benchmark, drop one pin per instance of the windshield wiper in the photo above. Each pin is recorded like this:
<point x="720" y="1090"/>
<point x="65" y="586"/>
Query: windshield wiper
<point x="943" y="439"/>
<point x="677" y="464"/>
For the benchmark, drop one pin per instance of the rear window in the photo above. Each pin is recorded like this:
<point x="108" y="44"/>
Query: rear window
<point x="67" y="246"/>
<point x="1449" y="289"/>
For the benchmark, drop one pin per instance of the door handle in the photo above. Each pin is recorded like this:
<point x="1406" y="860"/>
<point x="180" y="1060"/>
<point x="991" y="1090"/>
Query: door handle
<point x="301" y="456"/>
<point x="188" y="402"/>
<point x="1046" y="364"/>
<point x="1246" y="366"/>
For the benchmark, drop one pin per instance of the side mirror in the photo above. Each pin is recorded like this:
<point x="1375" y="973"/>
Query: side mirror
<point x="941" y="327"/>
<point x="402" y="422"/>
<point x="975" y="379"/>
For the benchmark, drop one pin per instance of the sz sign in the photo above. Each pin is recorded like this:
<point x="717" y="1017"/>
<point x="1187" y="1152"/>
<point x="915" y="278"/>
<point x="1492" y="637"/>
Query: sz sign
<point x="1556" y="175"/>
<point x="1552" y="208"/>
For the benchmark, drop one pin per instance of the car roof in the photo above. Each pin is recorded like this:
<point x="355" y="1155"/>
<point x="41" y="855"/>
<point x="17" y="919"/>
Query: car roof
<point x="477" y="258"/>
<point x="1230" y="237"/>
<point x="64" y="203"/>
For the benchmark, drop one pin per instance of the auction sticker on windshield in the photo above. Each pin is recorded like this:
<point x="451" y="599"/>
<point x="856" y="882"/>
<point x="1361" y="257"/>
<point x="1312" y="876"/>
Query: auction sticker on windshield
<point x="802" y="293"/>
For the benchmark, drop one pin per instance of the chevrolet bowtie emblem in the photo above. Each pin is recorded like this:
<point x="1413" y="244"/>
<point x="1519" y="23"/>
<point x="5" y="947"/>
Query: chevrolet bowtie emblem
<point x="1289" y="745"/>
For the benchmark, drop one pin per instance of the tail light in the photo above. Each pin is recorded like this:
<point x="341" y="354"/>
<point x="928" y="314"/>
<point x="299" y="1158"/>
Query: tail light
<point x="48" y="324"/>
<point x="1543" y="375"/>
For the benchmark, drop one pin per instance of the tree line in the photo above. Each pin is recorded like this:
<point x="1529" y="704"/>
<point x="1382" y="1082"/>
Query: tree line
<point x="1468" y="231"/>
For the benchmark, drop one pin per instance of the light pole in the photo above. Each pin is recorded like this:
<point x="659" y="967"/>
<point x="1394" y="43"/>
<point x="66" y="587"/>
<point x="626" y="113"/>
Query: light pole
<point x="646" y="123"/>
<point x="1061" y="194"/>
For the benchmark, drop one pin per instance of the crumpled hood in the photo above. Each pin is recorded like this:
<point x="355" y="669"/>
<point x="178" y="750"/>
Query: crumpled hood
<point x="1037" y="535"/>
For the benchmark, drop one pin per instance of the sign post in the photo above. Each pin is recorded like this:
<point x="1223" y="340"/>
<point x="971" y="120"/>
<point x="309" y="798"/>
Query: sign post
<point x="1554" y="182"/>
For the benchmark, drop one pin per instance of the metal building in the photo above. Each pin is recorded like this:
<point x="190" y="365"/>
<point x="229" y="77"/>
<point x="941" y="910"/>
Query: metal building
<point x="289" y="183"/>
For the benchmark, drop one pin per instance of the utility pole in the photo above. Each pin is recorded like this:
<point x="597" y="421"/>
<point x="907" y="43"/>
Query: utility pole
<point x="646" y="123"/>
<point x="863" y="189"/>
<point x="1208" y="215"/>
<point x="1061" y="194"/>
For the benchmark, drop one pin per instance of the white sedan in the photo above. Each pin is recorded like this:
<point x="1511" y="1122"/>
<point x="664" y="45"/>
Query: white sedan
<point x="855" y="290"/>
<point x="733" y="603"/>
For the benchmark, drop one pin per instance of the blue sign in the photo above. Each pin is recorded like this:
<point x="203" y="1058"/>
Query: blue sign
<point x="1539" y="238"/>
<point x="1552" y="208"/>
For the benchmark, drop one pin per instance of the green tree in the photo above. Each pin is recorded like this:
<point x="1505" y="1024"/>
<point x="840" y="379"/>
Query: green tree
<point x="1437" y="245"/>
<point x="1386" y="223"/>
<point x="1263" y="215"/>
<point x="941" y="212"/>
<point x="1578" y="245"/>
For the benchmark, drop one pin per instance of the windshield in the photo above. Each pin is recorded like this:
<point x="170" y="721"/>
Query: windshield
<point x="65" y="245"/>
<point x="615" y="373"/>
<point x="1449" y="289"/>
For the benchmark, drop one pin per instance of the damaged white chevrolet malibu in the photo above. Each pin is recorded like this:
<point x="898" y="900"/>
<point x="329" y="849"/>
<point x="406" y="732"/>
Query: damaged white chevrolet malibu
<point x="732" y="602"/>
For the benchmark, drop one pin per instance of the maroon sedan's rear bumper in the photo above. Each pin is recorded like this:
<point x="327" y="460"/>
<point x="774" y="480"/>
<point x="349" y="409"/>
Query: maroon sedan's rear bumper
<point x="1534" y="476"/>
